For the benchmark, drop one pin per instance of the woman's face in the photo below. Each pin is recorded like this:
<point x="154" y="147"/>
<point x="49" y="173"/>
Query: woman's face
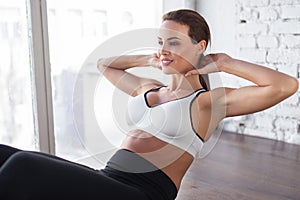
<point x="176" y="52"/>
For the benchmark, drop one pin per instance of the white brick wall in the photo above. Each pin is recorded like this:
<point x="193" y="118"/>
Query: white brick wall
<point x="267" y="41"/>
<point x="268" y="33"/>
<point x="287" y="27"/>
<point x="268" y="14"/>
<point x="290" y="41"/>
<point x="256" y="3"/>
<point x="284" y="2"/>
<point x="290" y="12"/>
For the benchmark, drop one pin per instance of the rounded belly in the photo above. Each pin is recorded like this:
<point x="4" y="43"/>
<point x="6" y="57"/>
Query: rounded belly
<point x="172" y="160"/>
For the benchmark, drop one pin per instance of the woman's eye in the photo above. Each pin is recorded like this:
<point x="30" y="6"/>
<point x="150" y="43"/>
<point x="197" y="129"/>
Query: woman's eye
<point x="170" y="43"/>
<point x="173" y="43"/>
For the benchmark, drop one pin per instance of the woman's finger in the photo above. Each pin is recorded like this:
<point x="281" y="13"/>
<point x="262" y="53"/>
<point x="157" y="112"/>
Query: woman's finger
<point x="206" y="60"/>
<point x="192" y="72"/>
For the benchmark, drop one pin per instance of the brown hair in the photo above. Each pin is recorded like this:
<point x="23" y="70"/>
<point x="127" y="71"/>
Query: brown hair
<point x="198" y="28"/>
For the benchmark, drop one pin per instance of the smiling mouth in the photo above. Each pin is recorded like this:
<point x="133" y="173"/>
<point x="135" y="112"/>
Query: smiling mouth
<point x="166" y="62"/>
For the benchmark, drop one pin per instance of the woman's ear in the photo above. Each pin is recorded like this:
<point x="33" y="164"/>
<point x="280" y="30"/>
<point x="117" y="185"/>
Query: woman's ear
<point x="201" y="46"/>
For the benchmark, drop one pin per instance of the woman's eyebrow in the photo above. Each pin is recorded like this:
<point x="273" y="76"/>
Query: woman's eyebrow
<point x="170" y="38"/>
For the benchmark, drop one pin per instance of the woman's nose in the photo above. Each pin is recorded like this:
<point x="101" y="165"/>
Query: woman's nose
<point x="163" y="49"/>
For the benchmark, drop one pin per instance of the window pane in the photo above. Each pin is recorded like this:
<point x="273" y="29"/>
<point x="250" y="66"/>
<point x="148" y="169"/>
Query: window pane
<point x="17" y="116"/>
<point x="76" y="28"/>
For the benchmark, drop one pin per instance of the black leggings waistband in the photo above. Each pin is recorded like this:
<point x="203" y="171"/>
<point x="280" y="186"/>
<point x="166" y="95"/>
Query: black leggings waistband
<point x="130" y="168"/>
<point x="128" y="161"/>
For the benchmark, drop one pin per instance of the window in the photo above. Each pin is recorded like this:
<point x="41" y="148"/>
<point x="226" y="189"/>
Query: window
<point x="76" y="28"/>
<point x="16" y="96"/>
<point x="43" y="46"/>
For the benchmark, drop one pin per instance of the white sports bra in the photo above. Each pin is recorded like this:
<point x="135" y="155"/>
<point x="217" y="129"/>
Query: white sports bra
<point x="170" y="121"/>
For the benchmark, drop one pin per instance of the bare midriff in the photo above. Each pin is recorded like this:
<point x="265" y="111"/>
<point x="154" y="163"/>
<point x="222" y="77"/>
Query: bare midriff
<point x="173" y="161"/>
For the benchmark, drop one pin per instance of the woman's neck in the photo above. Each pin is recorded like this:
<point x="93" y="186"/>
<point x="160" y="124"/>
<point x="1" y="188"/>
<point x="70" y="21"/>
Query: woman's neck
<point x="181" y="83"/>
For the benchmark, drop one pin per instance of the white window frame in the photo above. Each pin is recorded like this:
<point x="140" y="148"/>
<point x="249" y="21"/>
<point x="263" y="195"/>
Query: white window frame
<point x="41" y="74"/>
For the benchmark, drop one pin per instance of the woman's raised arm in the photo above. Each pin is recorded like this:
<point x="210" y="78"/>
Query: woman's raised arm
<point x="114" y="69"/>
<point x="271" y="86"/>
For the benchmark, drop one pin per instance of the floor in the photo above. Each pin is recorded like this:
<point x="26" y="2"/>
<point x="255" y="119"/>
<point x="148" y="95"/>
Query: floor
<point x="245" y="168"/>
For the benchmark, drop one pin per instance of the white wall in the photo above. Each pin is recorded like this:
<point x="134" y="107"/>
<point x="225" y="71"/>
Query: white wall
<point x="266" y="32"/>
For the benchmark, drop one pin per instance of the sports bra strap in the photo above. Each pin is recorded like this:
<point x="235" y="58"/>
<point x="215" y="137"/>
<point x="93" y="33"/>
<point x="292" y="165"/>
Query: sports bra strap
<point x="199" y="91"/>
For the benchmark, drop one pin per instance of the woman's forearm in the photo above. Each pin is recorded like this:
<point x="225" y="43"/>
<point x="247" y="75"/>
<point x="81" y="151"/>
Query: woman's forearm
<point x="124" y="62"/>
<point x="115" y="70"/>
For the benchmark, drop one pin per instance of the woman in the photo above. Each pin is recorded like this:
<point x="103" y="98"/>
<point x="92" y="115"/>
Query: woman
<point x="169" y="123"/>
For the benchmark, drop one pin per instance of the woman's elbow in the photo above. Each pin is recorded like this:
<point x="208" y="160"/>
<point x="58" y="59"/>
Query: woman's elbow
<point x="290" y="87"/>
<point x="100" y="65"/>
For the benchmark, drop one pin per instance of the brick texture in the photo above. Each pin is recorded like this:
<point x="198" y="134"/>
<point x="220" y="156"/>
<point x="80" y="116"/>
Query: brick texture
<point x="268" y="33"/>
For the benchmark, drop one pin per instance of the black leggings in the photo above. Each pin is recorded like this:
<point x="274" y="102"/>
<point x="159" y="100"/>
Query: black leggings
<point x="38" y="176"/>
